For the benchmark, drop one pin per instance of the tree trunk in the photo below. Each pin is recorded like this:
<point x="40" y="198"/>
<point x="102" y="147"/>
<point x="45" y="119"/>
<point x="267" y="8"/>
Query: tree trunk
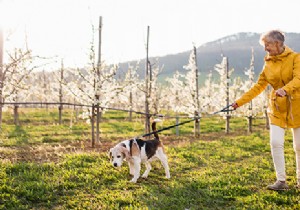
<point x="267" y="125"/>
<point x="250" y="122"/>
<point x="1" y="74"/>
<point x="197" y="125"/>
<point x="60" y="107"/>
<point x="93" y="125"/>
<point x="177" y="127"/>
<point x="16" y="115"/>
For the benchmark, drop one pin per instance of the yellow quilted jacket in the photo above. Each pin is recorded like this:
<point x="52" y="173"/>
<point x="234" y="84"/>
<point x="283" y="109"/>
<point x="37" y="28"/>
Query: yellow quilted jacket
<point x="280" y="71"/>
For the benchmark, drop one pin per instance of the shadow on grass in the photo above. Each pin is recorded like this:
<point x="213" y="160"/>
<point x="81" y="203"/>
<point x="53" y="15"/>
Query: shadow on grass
<point x="20" y="135"/>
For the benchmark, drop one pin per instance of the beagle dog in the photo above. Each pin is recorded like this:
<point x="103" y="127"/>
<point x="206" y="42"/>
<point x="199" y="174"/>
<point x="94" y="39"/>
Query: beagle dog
<point x="138" y="151"/>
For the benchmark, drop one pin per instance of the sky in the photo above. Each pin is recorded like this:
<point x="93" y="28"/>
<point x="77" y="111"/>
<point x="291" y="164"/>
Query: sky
<point x="64" y="28"/>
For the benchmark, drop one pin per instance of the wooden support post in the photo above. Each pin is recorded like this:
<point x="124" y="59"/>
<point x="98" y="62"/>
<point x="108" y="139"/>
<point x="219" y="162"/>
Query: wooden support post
<point x="147" y="91"/>
<point x="60" y="107"/>
<point x="227" y="96"/>
<point x="197" y="114"/>
<point x="130" y="106"/>
<point x="97" y="89"/>
<point x="177" y="127"/>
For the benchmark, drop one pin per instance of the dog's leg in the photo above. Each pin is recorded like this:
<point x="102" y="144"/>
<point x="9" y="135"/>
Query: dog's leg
<point x="148" y="169"/>
<point x="137" y="168"/>
<point x="164" y="160"/>
<point x="131" y="168"/>
<point x="165" y="164"/>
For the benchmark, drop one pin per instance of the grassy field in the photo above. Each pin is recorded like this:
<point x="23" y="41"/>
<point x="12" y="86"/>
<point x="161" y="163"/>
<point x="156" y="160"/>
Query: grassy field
<point x="44" y="165"/>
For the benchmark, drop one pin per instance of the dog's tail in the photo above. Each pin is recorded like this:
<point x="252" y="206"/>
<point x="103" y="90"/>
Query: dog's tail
<point x="154" y="128"/>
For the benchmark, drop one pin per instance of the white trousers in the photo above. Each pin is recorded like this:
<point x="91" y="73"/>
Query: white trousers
<point x="277" y="150"/>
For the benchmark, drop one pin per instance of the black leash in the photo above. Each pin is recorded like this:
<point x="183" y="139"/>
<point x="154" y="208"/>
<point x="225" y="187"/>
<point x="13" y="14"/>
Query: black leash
<point x="166" y="128"/>
<point x="225" y="109"/>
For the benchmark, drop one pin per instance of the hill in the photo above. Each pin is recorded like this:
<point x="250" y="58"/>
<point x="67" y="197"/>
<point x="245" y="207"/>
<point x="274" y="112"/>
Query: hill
<point x="236" y="47"/>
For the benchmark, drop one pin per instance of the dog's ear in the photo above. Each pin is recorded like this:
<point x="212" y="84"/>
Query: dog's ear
<point x="125" y="152"/>
<point x="109" y="154"/>
<point x="135" y="150"/>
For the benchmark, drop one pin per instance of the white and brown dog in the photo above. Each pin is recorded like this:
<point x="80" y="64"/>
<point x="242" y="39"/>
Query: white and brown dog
<point x="137" y="151"/>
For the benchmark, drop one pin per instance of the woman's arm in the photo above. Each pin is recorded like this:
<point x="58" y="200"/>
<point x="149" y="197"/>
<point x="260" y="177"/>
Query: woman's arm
<point x="258" y="87"/>
<point x="295" y="82"/>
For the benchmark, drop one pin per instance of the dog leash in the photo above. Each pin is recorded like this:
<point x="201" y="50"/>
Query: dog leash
<point x="167" y="128"/>
<point x="225" y="109"/>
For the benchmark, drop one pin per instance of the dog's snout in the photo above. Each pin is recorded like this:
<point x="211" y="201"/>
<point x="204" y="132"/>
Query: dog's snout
<point x="115" y="164"/>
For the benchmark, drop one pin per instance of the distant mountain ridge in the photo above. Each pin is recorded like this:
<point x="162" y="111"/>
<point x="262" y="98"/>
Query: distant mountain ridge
<point x="236" y="47"/>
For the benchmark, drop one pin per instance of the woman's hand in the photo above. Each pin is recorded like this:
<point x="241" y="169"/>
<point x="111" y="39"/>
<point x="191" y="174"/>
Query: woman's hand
<point x="280" y="92"/>
<point x="235" y="105"/>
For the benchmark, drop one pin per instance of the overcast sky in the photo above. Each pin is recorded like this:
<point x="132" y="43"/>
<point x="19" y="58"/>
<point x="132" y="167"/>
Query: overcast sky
<point x="64" y="27"/>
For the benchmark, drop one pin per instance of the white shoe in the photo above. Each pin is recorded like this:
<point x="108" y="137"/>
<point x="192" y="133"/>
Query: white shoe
<point x="278" y="185"/>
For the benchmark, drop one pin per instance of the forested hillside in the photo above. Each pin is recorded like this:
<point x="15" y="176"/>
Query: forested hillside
<point x="236" y="47"/>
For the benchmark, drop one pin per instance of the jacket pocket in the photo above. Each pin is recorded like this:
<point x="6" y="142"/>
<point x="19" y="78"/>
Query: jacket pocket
<point x="278" y="104"/>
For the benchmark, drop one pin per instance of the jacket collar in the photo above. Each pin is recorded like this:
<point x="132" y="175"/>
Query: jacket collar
<point x="281" y="56"/>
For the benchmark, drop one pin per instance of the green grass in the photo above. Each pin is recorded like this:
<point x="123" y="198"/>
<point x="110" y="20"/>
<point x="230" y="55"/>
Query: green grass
<point x="214" y="171"/>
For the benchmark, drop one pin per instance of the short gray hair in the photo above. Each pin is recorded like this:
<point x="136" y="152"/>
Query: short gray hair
<point x="274" y="35"/>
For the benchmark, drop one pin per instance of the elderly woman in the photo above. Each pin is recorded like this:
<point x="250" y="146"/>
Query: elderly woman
<point x="282" y="71"/>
